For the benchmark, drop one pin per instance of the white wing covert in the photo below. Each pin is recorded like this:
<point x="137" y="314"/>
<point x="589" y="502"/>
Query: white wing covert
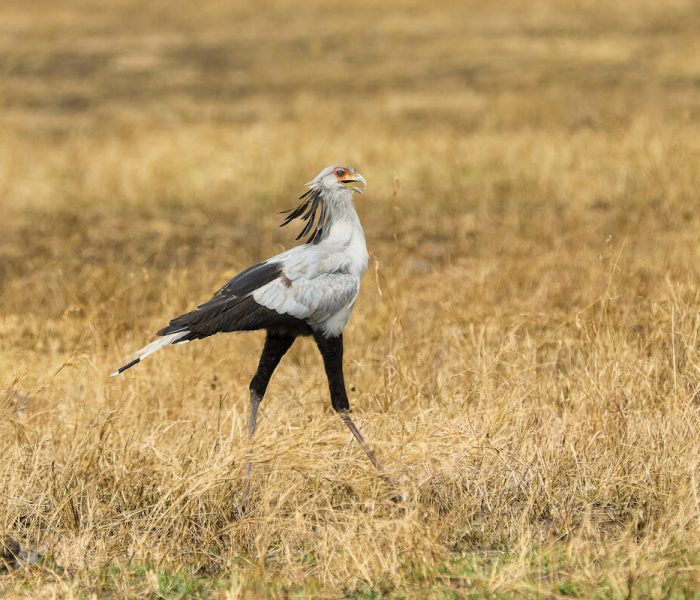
<point x="317" y="298"/>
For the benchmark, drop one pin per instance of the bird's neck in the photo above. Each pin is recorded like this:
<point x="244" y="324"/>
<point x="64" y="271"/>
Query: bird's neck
<point x="344" y="221"/>
<point x="346" y="239"/>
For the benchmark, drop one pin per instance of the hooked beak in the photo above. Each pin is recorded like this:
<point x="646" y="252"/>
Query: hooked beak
<point x="355" y="182"/>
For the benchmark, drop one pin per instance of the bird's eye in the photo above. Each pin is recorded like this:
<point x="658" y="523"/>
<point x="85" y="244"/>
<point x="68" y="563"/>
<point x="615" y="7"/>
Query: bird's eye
<point x="340" y="172"/>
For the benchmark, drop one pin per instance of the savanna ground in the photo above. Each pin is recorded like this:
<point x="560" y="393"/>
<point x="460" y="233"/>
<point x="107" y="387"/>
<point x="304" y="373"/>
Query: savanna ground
<point x="524" y="354"/>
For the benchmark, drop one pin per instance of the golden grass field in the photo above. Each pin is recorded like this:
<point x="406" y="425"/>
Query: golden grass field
<point x="524" y="354"/>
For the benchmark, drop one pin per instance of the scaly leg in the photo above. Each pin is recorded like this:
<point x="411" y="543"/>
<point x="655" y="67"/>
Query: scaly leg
<point x="358" y="436"/>
<point x="332" y="353"/>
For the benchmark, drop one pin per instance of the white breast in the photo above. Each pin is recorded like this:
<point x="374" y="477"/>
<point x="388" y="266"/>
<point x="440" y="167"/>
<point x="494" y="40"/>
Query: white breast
<point x="345" y="250"/>
<point x="347" y="254"/>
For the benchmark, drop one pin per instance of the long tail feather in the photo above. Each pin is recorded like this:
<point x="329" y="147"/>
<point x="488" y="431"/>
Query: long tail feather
<point x="154" y="346"/>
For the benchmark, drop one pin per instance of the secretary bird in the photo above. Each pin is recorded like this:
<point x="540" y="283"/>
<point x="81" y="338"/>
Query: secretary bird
<point x="309" y="290"/>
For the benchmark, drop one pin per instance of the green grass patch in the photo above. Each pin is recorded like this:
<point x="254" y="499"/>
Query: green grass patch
<point x="476" y="575"/>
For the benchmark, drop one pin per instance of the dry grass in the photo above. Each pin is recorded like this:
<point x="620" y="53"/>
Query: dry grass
<point x="524" y="356"/>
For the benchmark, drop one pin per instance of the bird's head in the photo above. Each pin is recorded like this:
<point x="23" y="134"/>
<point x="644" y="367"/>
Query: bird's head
<point x="329" y="194"/>
<point x="338" y="178"/>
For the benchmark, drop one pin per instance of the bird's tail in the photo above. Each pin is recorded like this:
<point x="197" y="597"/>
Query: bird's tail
<point x="161" y="342"/>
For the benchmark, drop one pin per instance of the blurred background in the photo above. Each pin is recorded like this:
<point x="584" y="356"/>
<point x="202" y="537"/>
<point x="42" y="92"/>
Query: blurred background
<point x="479" y="127"/>
<point x="531" y="213"/>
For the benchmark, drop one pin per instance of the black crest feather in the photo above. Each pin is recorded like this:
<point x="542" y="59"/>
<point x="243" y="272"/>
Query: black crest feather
<point x="308" y="211"/>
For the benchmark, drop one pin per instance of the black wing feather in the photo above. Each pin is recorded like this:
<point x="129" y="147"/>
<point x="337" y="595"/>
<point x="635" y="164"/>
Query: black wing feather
<point x="231" y="308"/>
<point x="244" y="315"/>
<point x="251" y="279"/>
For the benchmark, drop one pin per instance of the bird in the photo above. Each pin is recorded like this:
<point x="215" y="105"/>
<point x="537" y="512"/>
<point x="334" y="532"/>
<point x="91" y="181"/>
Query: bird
<point x="309" y="290"/>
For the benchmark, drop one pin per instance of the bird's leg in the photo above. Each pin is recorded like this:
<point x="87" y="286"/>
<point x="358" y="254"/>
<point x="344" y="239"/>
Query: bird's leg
<point x="276" y="346"/>
<point x="358" y="436"/>
<point x="255" y="400"/>
<point x="332" y="353"/>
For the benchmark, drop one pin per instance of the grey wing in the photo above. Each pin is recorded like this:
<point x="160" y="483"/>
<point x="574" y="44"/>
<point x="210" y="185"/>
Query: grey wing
<point x="316" y="298"/>
<point x="232" y="308"/>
